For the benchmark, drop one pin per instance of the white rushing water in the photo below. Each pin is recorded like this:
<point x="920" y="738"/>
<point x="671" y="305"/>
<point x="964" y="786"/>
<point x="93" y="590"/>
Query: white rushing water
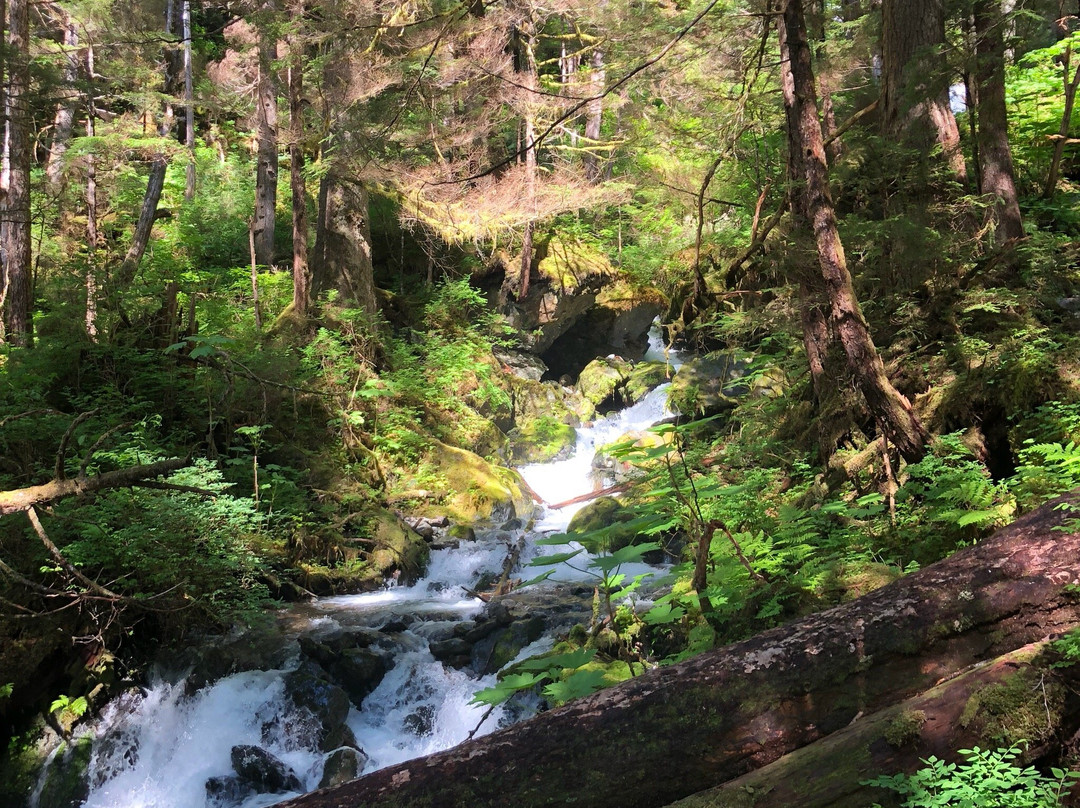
<point x="159" y="748"/>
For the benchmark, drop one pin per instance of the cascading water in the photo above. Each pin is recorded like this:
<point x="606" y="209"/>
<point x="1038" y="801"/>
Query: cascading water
<point x="167" y="747"/>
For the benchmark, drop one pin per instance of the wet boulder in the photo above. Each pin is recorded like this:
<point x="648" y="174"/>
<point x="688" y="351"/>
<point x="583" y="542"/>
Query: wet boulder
<point x="454" y="651"/>
<point x="602" y="381"/>
<point x="262" y="771"/>
<point x="480" y="491"/>
<point x="645" y="377"/>
<point x="502" y="646"/>
<point x="709" y="385"/>
<point x="66" y="784"/>
<point x="223" y="792"/>
<point x="342" y="765"/>
<point x="359" y="671"/>
<point x="326" y="703"/>
<point x="605" y="518"/>
<point x="542" y="440"/>
<point x="421" y="721"/>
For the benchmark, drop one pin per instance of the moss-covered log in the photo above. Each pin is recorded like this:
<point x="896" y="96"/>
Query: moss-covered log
<point x="675" y="731"/>
<point x="1015" y="697"/>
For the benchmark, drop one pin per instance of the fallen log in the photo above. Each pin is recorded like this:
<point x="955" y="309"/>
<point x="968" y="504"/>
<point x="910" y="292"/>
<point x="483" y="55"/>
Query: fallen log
<point x="23" y="499"/>
<point x="1015" y="697"/>
<point x="675" y="731"/>
<point x="602" y="492"/>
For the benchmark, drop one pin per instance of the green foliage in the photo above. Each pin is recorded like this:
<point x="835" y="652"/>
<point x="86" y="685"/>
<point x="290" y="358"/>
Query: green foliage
<point x="6" y="690"/>
<point x="563" y="672"/>
<point x="985" y="778"/>
<point x="76" y="707"/>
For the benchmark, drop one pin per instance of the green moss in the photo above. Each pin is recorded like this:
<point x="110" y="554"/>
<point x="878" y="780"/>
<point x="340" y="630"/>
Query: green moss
<point x="1025" y="706"/>
<point x="568" y="263"/>
<point x="905" y="728"/>
<point x="602" y="379"/>
<point x="479" y="490"/>
<point x="541" y="440"/>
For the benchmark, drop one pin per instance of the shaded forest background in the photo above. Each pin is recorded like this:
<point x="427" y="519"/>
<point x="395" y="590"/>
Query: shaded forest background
<point x="268" y="265"/>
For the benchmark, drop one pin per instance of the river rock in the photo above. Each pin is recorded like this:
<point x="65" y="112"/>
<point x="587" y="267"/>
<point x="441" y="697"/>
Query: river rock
<point x="223" y="792"/>
<point x="602" y="380"/>
<point x="609" y="515"/>
<point x="708" y="385"/>
<point x="359" y="671"/>
<point x="454" y="651"/>
<point x="421" y="721"/>
<point x="520" y="364"/>
<point x="644" y="377"/>
<point x="398" y="549"/>
<point x="480" y="490"/>
<point x="264" y="772"/>
<point x="66" y="784"/>
<point x="542" y="440"/>
<point x="327" y="704"/>
<point x="499" y="648"/>
<point x="341" y="766"/>
<point x="563" y="402"/>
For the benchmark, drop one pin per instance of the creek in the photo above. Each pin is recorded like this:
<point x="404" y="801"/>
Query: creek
<point x="173" y="743"/>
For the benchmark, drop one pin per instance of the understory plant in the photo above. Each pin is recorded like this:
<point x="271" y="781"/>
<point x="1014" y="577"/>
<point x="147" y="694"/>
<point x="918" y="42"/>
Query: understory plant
<point x="985" y="778"/>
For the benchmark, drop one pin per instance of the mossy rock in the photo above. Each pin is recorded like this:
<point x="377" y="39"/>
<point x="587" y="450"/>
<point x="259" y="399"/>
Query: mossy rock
<point x="534" y="399"/>
<point x="541" y="440"/>
<point x="397" y="547"/>
<point x="606" y="518"/>
<point x="623" y="470"/>
<point x="602" y="380"/>
<point x="66" y="785"/>
<point x="708" y="385"/>
<point x="477" y="490"/>
<point x="567" y="263"/>
<point x="645" y="376"/>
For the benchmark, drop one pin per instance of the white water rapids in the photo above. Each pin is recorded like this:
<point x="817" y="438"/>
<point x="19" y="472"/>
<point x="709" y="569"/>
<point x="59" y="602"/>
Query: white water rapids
<point x="157" y="749"/>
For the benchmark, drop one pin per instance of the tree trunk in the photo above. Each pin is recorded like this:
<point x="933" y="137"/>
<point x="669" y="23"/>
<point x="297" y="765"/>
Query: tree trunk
<point x="189" y="103"/>
<point x="267" y="151"/>
<point x="995" y="156"/>
<point x="808" y="165"/>
<point x="915" y="81"/>
<point x="530" y="81"/>
<point x="342" y="259"/>
<point x="297" y="183"/>
<point x="155" y="181"/>
<point x="1070" y="86"/>
<point x="677" y="730"/>
<point x="65" y="110"/>
<point x="829" y="773"/>
<point x="91" y="213"/>
<point x="16" y="294"/>
<point x="594" y="114"/>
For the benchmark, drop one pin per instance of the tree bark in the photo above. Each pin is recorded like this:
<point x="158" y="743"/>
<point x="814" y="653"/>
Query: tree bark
<point x="23" y="499"/>
<point x="266" y="171"/>
<point x="297" y="183"/>
<point x="16" y="294"/>
<point x="594" y="115"/>
<point x="677" y="730"/>
<point x="995" y="156"/>
<point x="1070" y="86"/>
<point x="814" y="206"/>
<point x="91" y="317"/>
<point x="531" y="82"/>
<point x="829" y="773"/>
<point x="189" y="103"/>
<point x="159" y="163"/>
<point x="915" y="82"/>
<point x="342" y="259"/>
<point x="65" y="109"/>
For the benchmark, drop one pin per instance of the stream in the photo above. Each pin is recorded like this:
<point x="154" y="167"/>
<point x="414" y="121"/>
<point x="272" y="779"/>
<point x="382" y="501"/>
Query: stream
<point x="173" y="744"/>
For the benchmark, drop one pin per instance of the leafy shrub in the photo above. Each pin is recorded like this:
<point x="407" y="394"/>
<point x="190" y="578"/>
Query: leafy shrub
<point x="986" y="778"/>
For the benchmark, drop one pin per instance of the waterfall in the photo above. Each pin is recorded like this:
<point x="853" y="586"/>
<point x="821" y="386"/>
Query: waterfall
<point x="164" y="747"/>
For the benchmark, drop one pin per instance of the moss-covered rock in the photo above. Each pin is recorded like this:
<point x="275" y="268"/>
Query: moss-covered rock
<point x="66" y="785"/>
<point x="644" y="377"/>
<point x="398" y="549"/>
<point x="708" y="385"/>
<point x="602" y="380"/>
<point x="534" y="399"/>
<point x="541" y="440"/>
<point x="478" y="491"/>
<point x="606" y="519"/>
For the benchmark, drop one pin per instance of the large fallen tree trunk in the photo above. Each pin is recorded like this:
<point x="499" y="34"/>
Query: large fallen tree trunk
<point x="675" y="731"/>
<point x="1018" y="696"/>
